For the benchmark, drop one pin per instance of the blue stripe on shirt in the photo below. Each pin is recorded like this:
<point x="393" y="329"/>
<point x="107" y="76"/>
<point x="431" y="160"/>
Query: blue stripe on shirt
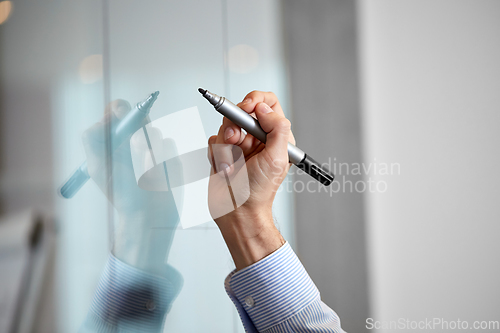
<point x="130" y="300"/>
<point x="284" y="297"/>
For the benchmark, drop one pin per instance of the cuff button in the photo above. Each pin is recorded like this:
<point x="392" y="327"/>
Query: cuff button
<point x="150" y="305"/>
<point x="249" y="301"/>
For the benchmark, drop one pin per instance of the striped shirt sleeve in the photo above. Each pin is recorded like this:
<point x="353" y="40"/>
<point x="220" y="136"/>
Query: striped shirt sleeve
<point x="130" y="300"/>
<point x="277" y="295"/>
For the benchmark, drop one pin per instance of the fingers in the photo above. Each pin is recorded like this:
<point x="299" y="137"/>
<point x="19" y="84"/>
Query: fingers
<point x="95" y="138"/>
<point x="119" y="108"/>
<point x="222" y="154"/>
<point x="235" y="136"/>
<point x="210" y="154"/>
<point x="232" y="133"/>
<point x="278" y="130"/>
<point x="268" y="111"/>
<point x="255" y="97"/>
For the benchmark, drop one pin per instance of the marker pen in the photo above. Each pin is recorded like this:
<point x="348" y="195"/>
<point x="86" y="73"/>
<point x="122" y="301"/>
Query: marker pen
<point x="252" y="126"/>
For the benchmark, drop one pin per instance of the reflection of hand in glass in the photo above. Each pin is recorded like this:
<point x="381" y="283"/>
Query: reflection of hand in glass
<point x="142" y="236"/>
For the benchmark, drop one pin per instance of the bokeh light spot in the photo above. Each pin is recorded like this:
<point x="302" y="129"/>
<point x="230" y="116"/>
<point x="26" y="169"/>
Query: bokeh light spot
<point x="5" y="10"/>
<point x="91" y="69"/>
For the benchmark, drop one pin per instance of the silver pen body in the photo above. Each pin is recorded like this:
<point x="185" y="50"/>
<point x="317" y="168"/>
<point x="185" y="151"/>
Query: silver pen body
<point x="249" y="123"/>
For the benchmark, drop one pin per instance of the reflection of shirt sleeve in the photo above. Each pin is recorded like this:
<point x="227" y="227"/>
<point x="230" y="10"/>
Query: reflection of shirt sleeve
<point x="277" y="295"/>
<point x="130" y="300"/>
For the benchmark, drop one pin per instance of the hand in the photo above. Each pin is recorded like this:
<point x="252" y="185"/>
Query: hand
<point x="249" y="230"/>
<point x="147" y="219"/>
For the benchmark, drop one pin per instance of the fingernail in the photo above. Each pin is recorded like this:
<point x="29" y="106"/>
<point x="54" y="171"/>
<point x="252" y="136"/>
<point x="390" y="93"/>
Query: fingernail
<point x="267" y="108"/>
<point x="246" y="101"/>
<point x="222" y="167"/>
<point x="228" y="133"/>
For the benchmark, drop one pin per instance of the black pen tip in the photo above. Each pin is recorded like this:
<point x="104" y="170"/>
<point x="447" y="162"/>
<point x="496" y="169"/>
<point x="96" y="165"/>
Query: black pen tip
<point x="202" y="91"/>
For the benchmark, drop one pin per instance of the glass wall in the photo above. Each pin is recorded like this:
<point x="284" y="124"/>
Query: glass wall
<point x="72" y="75"/>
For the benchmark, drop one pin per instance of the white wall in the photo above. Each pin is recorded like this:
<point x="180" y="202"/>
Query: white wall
<point x="431" y="102"/>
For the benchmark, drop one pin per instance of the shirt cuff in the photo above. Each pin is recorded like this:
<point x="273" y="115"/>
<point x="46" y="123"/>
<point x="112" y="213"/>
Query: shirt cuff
<point x="273" y="289"/>
<point x="131" y="300"/>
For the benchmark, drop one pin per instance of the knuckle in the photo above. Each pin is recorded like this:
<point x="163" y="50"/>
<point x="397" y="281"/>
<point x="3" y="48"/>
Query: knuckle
<point x="284" y="124"/>
<point x="272" y="94"/>
<point x="253" y="94"/>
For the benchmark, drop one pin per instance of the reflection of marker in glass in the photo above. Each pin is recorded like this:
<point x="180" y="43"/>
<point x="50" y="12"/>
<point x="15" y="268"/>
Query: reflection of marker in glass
<point x="121" y="131"/>
<point x="252" y="126"/>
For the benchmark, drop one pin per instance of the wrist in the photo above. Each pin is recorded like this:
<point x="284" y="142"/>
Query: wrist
<point x="143" y="242"/>
<point x="249" y="236"/>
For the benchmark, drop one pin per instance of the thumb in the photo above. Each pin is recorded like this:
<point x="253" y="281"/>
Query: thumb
<point x="119" y="108"/>
<point x="114" y="111"/>
<point x="278" y="130"/>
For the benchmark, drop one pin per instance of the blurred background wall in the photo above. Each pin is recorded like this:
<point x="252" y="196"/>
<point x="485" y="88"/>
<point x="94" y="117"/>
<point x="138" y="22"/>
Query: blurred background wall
<point x="430" y="82"/>
<point x="412" y="85"/>
<point x="321" y="39"/>
<point x="409" y="83"/>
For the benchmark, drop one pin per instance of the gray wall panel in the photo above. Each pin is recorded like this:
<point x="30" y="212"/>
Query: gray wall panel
<point x="322" y="57"/>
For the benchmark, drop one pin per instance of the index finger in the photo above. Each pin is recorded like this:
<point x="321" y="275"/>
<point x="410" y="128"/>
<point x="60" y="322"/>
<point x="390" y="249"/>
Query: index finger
<point x="256" y="97"/>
